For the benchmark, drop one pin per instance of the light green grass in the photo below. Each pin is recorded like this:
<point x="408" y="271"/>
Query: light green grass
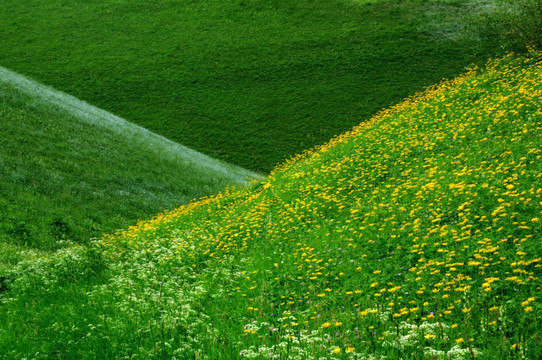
<point x="248" y="81"/>
<point x="70" y="171"/>
<point x="414" y="236"/>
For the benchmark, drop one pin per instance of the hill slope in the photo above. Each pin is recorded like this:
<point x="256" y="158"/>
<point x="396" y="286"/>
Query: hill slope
<point x="249" y="81"/>
<point x="70" y="171"/>
<point x="414" y="236"/>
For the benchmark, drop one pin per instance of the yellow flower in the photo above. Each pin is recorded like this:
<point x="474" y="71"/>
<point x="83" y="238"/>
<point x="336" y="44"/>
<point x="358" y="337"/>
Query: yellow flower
<point x="337" y="350"/>
<point x="466" y="310"/>
<point x="350" y="349"/>
<point x="338" y="323"/>
<point x="459" y="341"/>
<point x="430" y="336"/>
<point x="326" y="324"/>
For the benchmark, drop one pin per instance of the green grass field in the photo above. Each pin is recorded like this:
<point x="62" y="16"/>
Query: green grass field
<point x="414" y="233"/>
<point x="70" y="171"/>
<point x="414" y="236"/>
<point x="252" y="82"/>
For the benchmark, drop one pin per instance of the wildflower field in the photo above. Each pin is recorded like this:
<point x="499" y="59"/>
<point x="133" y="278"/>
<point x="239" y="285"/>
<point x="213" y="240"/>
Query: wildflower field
<point x="414" y="236"/>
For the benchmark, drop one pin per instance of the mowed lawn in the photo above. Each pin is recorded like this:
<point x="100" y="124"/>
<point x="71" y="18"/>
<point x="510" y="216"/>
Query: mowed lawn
<point x="249" y="81"/>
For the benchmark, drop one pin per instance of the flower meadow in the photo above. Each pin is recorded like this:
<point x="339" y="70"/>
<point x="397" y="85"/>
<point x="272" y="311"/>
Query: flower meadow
<point x="414" y="236"/>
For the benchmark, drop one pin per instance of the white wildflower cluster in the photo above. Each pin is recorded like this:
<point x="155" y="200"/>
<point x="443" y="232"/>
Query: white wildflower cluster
<point x="302" y="344"/>
<point x="414" y="336"/>
<point x="165" y="309"/>
<point x="292" y="344"/>
<point x="45" y="273"/>
<point x="457" y="352"/>
<point x="253" y="326"/>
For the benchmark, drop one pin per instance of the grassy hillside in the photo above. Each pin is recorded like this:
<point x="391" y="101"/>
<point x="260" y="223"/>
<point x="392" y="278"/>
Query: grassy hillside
<point x="248" y="81"/>
<point x="414" y="236"/>
<point x="70" y="171"/>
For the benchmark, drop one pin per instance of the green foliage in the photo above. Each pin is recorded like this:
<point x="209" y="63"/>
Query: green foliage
<point x="508" y="24"/>
<point x="251" y="82"/>
<point x="70" y="172"/>
<point x="414" y="236"/>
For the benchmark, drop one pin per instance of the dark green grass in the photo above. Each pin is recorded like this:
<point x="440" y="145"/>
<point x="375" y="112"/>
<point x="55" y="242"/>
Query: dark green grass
<point x="71" y="172"/>
<point x="248" y="81"/>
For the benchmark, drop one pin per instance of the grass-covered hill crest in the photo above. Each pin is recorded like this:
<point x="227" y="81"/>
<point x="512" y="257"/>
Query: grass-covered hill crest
<point x="414" y="236"/>
<point x="71" y="171"/>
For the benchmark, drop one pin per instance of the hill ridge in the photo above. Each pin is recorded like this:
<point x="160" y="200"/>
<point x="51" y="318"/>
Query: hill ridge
<point x="60" y="153"/>
<point x="103" y="118"/>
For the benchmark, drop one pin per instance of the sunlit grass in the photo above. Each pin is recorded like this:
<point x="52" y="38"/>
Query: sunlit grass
<point x="414" y="236"/>
<point x="70" y="171"/>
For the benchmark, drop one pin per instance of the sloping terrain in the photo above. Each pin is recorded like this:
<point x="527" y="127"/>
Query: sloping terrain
<point x="70" y="171"/>
<point x="414" y="236"/>
<point x="251" y="82"/>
